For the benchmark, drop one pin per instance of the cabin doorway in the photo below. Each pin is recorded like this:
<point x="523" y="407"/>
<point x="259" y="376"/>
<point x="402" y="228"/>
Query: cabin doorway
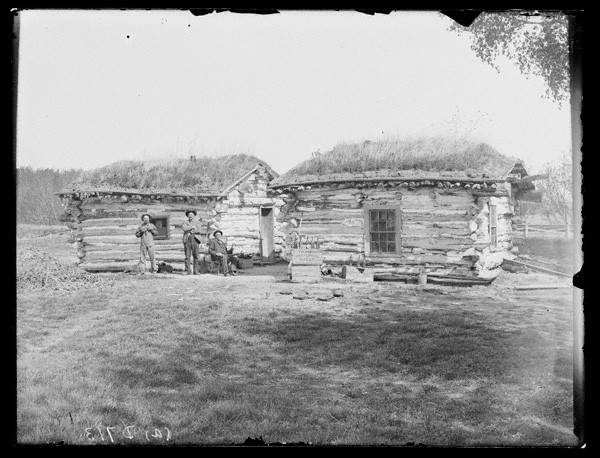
<point x="267" y="234"/>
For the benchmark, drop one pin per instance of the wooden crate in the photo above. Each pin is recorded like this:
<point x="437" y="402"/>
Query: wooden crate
<point x="306" y="274"/>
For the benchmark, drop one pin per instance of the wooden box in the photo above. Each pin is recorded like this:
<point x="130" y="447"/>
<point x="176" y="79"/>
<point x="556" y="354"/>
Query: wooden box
<point x="306" y="274"/>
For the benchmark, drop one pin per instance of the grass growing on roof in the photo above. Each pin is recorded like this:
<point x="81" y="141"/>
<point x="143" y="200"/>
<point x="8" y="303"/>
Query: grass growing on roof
<point x="205" y="173"/>
<point x="419" y="153"/>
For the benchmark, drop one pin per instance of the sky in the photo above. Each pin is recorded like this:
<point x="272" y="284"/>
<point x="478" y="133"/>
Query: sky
<point x="95" y="87"/>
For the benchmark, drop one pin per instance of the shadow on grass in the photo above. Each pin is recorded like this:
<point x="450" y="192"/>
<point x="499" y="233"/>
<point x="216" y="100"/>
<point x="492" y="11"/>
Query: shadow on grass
<point x="173" y="369"/>
<point x="449" y="345"/>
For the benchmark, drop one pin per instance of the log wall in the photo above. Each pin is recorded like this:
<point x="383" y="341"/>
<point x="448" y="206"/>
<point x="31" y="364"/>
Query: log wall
<point x="103" y="227"/>
<point x="442" y="230"/>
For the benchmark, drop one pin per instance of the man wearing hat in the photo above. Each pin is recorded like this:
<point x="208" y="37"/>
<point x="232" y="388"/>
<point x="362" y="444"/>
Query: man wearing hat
<point x="219" y="252"/>
<point x="146" y="232"/>
<point x="191" y="228"/>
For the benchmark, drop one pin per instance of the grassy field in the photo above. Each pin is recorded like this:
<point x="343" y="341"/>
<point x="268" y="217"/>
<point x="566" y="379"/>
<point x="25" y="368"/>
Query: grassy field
<point x="169" y="359"/>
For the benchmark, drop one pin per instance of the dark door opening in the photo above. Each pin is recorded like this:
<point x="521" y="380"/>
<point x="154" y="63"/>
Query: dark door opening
<point x="267" y="234"/>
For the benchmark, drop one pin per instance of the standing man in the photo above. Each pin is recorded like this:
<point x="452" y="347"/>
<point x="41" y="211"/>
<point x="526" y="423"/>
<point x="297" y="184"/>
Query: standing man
<point x="191" y="227"/>
<point x="146" y="232"/>
<point x="219" y="252"/>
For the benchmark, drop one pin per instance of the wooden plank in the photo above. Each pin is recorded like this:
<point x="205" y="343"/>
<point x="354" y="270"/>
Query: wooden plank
<point x="540" y="286"/>
<point x="534" y="267"/>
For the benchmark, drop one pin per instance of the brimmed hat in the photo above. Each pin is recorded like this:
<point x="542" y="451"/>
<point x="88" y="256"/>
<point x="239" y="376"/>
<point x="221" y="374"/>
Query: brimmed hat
<point x="191" y="211"/>
<point x="145" y="214"/>
<point x="219" y="231"/>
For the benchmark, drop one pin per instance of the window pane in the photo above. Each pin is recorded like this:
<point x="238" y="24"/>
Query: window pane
<point x="392" y="247"/>
<point x="392" y="221"/>
<point x="373" y="216"/>
<point x="374" y="247"/>
<point x="375" y="237"/>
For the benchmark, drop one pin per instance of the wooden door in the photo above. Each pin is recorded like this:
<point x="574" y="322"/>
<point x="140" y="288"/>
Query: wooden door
<point x="267" y="234"/>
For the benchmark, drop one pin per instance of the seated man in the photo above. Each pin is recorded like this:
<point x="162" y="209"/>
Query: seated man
<point x="219" y="252"/>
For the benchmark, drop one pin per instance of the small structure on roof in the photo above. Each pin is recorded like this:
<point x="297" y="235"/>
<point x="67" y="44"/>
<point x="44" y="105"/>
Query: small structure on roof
<point x="103" y="208"/>
<point x="437" y="206"/>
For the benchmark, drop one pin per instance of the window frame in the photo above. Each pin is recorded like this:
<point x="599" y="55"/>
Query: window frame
<point x="367" y="230"/>
<point x="168" y="226"/>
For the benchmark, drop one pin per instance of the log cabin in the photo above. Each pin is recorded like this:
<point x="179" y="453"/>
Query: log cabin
<point x="103" y="208"/>
<point x="438" y="206"/>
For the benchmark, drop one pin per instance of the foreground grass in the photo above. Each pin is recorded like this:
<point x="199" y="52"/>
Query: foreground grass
<point x="173" y="361"/>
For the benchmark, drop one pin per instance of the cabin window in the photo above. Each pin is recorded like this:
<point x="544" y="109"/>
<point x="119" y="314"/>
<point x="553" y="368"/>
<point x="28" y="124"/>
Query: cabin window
<point x="493" y="226"/>
<point x="162" y="226"/>
<point x="382" y="226"/>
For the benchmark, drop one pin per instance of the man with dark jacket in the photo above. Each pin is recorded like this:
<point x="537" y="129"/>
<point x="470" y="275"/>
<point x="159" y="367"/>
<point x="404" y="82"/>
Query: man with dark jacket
<point x="219" y="252"/>
<point x="146" y="232"/>
<point x="191" y="230"/>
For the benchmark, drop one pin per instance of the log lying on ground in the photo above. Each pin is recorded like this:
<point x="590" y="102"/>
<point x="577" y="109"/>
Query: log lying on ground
<point x="122" y="266"/>
<point x="541" y="286"/>
<point x="447" y="280"/>
<point x="534" y="267"/>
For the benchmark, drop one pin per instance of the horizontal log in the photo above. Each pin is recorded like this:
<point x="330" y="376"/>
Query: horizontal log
<point x="435" y="212"/>
<point x="169" y="245"/>
<point x="429" y="217"/>
<point x="328" y="205"/>
<point x="111" y="222"/>
<point x="108" y="230"/>
<point x="246" y="201"/>
<point x="418" y="259"/>
<point x="240" y="210"/>
<point x="333" y="229"/>
<point x="440" y="243"/>
<point x="139" y="207"/>
<point x="540" y="286"/>
<point x="347" y="239"/>
<point x="118" y="255"/>
<point x="332" y="214"/>
<point x="344" y="248"/>
<point x="537" y="268"/>
<point x="426" y="230"/>
<point x="120" y="266"/>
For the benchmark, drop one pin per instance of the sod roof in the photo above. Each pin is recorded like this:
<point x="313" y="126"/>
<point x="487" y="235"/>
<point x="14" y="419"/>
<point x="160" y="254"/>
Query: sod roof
<point x="412" y="159"/>
<point x="182" y="176"/>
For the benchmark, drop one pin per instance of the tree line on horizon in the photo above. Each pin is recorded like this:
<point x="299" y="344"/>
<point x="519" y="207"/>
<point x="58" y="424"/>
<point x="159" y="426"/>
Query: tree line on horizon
<point x="36" y="201"/>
